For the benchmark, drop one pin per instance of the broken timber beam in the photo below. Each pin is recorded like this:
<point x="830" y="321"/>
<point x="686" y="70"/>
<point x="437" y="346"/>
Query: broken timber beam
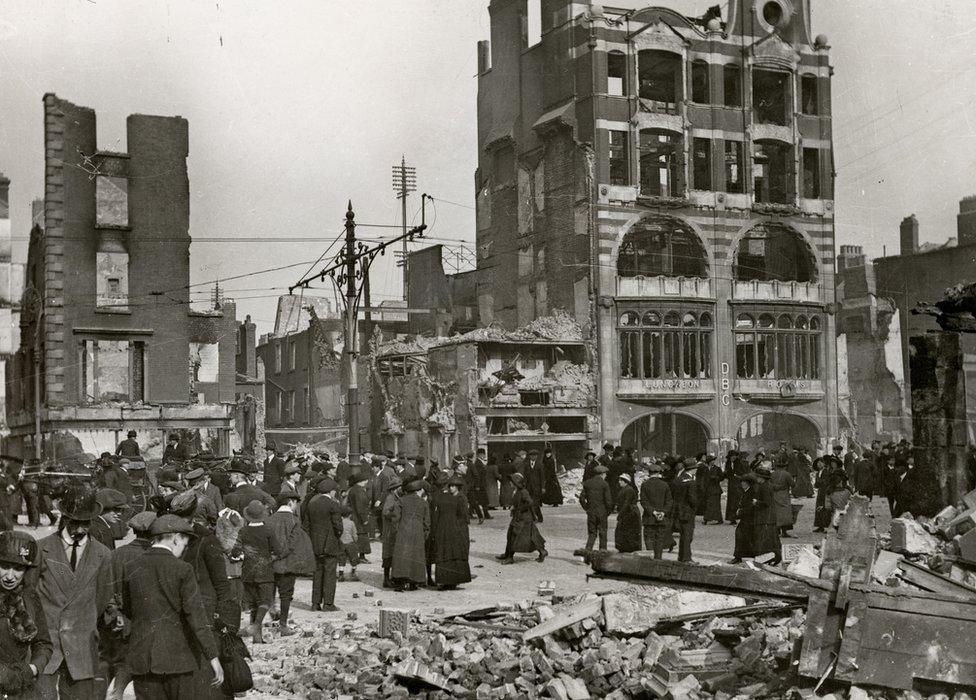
<point x="720" y="578"/>
<point x="932" y="581"/>
<point x="565" y="618"/>
<point x="756" y="610"/>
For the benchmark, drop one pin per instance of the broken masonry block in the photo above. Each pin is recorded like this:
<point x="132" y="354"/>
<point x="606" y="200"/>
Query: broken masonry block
<point x="393" y="621"/>
<point x="909" y="537"/>
<point x="367" y="594"/>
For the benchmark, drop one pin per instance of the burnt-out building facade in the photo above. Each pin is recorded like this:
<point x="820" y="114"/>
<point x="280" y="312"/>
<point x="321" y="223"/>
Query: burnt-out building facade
<point x="668" y="181"/>
<point x="109" y="341"/>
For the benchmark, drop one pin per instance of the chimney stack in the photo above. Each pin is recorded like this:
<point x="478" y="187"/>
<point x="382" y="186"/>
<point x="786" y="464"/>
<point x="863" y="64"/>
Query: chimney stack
<point x="909" y="235"/>
<point x="966" y="221"/>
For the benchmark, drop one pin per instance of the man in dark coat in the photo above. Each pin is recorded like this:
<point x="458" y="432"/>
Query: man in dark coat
<point x="475" y="479"/>
<point x="862" y="478"/>
<point x="522" y="535"/>
<point x="274" y="470"/>
<point x="128" y="447"/>
<point x="765" y="528"/>
<point x="324" y="521"/>
<point x="170" y="637"/>
<point x="385" y="475"/>
<point x="359" y="504"/>
<point x="618" y="465"/>
<point x="596" y="501"/>
<point x="169" y="453"/>
<point x="712" y="491"/>
<point x="657" y="504"/>
<point x="244" y="492"/>
<point x="113" y="476"/>
<point x="531" y="469"/>
<point x="552" y="494"/>
<point x="109" y="525"/>
<point x="685" y="507"/>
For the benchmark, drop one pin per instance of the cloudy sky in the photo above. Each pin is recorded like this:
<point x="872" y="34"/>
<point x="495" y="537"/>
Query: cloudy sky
<point x="295" y="107"/>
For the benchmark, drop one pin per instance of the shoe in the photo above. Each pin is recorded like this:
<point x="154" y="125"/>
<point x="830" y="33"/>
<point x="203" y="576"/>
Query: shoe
<point x="542" y="556"/>
<point x="329" y="608"/>
<point x="257" y="637"/>
<point x="363" y="559"/>
<point x="736" y="560"/>
<point x="316" y="607"/>
<point x="353" y="577"/>
<point x="501" y="557"/>
<point x="287" y="631"/>
<point x="488" y="517"/>
<point x="776" y="561"/>
<point x="508" y="560"/>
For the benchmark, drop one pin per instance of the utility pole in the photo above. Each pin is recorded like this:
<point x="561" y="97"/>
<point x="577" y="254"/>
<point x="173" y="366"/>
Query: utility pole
<point x="352" y="391"/>
<point x="404" y="182"/>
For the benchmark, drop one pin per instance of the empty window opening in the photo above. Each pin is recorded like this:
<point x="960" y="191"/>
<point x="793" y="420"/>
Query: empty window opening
<point x="772" y="13"/>
<point x="534" y="398"/>
<point x="665" y="345"/>
<point x="661" y="247"/>
<point x="616" y="73"/>
<point x="659" y="75"/>
<point x="808" y="94"/>
<point x="773" y="252"/>
<point x="619" y="169"/>
<point x="786" y="347"/>
<point x="112" y="281"/>
<point x="532" y="23"/>
<point x="660" y="163"/>
<point x="733" y="167"/>
<point x="702" y="164"/>
<point x="204" y="362"/>
<point x="112" y="371"/>
<point x="111" y="201"/>
<point x="732" y="80"/>
<point x="699" y="82"/>
<point x="772" y="172"/>
<point x="811" y="173"/>
<point x="770" y="96"/>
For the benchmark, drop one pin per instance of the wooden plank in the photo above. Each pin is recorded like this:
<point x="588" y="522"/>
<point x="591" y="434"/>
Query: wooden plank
<point x="855" y="544"/>
<point x="843" y="586"/>
<point x="741" y="611"/>
<point x="565" y="618"/>
<point x="721" y="578"/>
<point x="919" y="602"/>
<point x="850" y="646"/>
<point x="935" y="582"/>
<point x="820" y="639"/>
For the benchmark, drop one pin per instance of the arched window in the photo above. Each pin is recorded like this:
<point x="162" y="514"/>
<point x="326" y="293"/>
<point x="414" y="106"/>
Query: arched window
<point x="666" y="345"/>
<point x="774" y="252"/>
<point x="661" y="163"/>
<point x="661" y="246"/>
<point x="788" y="349"/>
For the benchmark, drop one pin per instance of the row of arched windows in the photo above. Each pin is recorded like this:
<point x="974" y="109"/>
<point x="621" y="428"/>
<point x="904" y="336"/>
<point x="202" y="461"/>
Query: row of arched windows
<point x="671" y="344"/>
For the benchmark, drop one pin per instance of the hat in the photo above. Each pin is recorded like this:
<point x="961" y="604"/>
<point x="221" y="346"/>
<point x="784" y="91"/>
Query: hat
<point x="394" y="484"/>
<point x="470" y="455"/>
<point x="626" y="477"/>
<point x="345" y="510"/>
<point x="608" y="445"/>
<point x="443" y="479"/>
<point x="184" y="504"/>
<point x="518" y="479"/>
<point x="80" y="505"/>
<point x="292" y="468"/>
<point x="241" y="466"/>
<point x="689" y="462"/>
<point x="601" y="469"/>
<point x="140" y="522"/>
<point x="455" y="481"/>
<point x="357" y="476"/>
<point x="326" y="485"/>
<point x="284" y="497"/>
<point x="838" y="448"/>
<point x="710" y="457"/>
<point x="167" y="474"/>
<point x="590" y="454"/>
<point x="414" y="485"/>
<point x="172" y="437"/>
<point x="18" y="548"/>
<point x="255" y="511"/>
<point x="195" y="474"/>
<point x="110" y="499"/>
<point x="656" y="467"/>
<point x="169" y="523"/>
<point x="377" y="461"/>
<point x="172" y="485"/>
<point x="270" y="445"/>
<point x="533" y="451"/>
<point x="482" y="451"/>
<point x="764" y="469"/>
<point x="131" y="433"/>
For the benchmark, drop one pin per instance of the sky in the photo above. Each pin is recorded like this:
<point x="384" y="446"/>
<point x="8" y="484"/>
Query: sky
<point x="296" y="107"/>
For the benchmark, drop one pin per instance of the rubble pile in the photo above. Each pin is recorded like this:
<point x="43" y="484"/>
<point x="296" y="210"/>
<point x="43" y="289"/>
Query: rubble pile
<point x="622" y="645"/>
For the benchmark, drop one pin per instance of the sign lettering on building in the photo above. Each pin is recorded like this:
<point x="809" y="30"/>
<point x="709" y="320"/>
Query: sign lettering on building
<point x="672" y="384"/>
<point x="726" y="384"/>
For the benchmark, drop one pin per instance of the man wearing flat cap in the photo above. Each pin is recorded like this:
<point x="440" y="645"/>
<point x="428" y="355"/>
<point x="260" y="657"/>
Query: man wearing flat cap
<point x="243" y="492"/>
<point x="170" y="637"/>
<point x="684" y="491"/>
<point x="75" y="589"/>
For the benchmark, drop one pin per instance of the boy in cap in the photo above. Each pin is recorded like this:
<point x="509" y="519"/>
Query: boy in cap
<point x="170" y="637"/>
<point x="261" y="548"/>
<point x="349" y="539"/>
<point x="297" y="559"/>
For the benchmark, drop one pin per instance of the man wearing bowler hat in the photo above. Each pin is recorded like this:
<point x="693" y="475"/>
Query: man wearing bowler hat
<point x="128" y="447"/>
<point x="243" y="491"/>
<point x="75" y="588"/>
<point x="683" y="490"/>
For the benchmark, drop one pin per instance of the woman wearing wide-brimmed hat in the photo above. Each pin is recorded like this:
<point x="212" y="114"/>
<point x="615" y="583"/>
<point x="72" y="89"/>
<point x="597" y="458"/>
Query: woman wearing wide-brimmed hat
<point x="627" y="533"/>
<point x="25" y="646"/>
<point x="411" y="519"/>
<point x="523" y="535"/>
<point x="449" y="527"/>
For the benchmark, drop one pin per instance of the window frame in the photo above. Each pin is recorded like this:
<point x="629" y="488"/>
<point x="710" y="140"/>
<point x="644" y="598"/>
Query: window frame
<point x="796" y="353"/>
<point x="732" y="98"/>
<point x="809" y="95"/>
<point x="618" y="157"/>
<point x="701" y="169"/>
<point x="663" y="346"/>
<point x="701" y="83"/>
<point x="739" y="152"/>
<point x="673" y="163"/>
<point x="617" y="60"/>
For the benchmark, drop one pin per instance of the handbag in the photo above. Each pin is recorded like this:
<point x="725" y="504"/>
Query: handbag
<point x="233" y="659"/>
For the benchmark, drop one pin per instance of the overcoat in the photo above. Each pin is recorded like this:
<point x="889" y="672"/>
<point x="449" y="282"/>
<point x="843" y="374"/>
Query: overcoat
<point x="170" y="633"/>
<point x="491" y="484"/>
<point x="73" y="602"/>
<point x="411" y="518"/>
<point x="736" y="468"/>
<point x="552" y="493"/>
<point x="390" y="504"/>
<point x="781" y="484"/>
<point x="712" y="491"/>
<point x="324" y="525"/>
<point x="241" y="497"/>
<point x="746" y="525"/>
<point x="296" y="545"/>
<point x="359" y="503"/>
<point x="627" y="533"/>
<point x="452" y="544"/>
<point x="523" y="535"/>
<point x="205" y="555"/>
<point x="802" y="466"/>
<point x="765" y="532"/>
<point x="36" y="652"/>
<point x="506" y="490"/>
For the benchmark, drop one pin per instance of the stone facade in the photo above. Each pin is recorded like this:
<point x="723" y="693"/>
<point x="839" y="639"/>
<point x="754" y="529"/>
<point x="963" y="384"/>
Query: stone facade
<point x="667" y="181"/>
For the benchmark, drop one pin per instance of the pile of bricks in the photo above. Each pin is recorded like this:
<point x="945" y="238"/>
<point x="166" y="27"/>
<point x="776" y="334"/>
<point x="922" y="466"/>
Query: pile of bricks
<point x="713" y="657"/>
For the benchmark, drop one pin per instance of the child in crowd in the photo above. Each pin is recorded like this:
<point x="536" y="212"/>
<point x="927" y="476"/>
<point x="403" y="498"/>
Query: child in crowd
<point x="350" y="545"/>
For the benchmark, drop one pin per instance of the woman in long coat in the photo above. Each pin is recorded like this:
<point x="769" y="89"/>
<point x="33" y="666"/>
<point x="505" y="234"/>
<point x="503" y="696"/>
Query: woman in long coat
<point x="826" y="481"/>
<point x="452" y="545"/>
<point x="506" y="491"/>
<point x="552" y="493"/>
<point x="745" y="515"/>
<point x="391" y="503"/>
<point x="523" y="535"/>
<point x="412" y="522"/>
<point x="358" y="500"/>
<point x="781" y="483"/>
<point x="765" y="528"/>
<point x="491" y="483"/>
<point x="24" y="639"/>
<point x="627" y="533"/>
<point x="713" y="490"/>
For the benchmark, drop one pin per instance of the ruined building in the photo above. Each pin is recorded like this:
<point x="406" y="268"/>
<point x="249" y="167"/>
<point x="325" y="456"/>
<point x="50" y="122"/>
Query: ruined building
<point x="11" y="285"/>
<point x="108" y="339"/>
<point x="869" y="345"/>
<point x="668" y="181"/>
